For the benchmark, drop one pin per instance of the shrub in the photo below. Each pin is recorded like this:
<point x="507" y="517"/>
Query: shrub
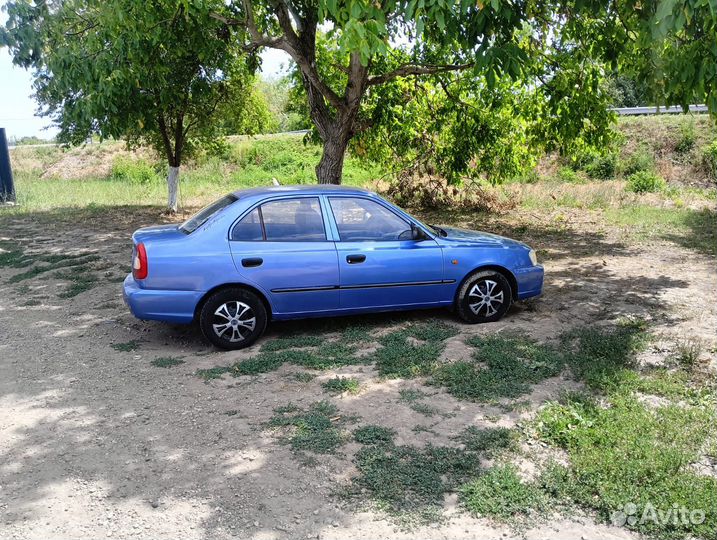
<point x="134" y="171"/>
<point x="709" y="160"/>
<point x="645" y="182"/>
<point x="582" y="157"/>
<point x="640" y="160"/>
<point x="566" y="174"/>
<point x="686" y="142"/>
<point x="602" y="167"/>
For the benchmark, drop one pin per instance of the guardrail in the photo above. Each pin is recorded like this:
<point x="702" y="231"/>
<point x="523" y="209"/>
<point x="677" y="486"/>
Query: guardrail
<point x="630" y="111"/>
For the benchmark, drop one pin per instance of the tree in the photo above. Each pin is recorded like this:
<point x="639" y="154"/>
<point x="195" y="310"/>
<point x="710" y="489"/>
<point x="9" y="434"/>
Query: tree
<point x="246" y="110"/>
<point x="148" y="72"/>
<point x="379" y="42"/>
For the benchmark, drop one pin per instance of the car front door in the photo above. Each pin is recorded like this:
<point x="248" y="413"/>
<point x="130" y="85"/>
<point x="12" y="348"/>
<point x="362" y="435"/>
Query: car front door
<point x="381" y="265"/>
<point x="281" y="247"/>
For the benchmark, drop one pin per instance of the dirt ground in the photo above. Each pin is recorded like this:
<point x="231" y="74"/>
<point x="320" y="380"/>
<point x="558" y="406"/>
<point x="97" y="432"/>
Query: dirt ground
<point x="97" y="442"/>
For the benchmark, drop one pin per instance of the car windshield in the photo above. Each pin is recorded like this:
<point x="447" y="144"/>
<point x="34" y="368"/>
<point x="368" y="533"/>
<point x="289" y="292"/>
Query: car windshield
<point x="201" y="217"/>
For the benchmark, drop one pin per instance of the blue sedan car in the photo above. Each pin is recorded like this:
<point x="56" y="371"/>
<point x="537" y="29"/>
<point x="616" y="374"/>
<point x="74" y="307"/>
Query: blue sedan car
<point x="290" y="252"/>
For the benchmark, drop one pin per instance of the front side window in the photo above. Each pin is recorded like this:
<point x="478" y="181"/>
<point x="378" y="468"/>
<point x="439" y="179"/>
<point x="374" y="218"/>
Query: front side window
<point x="291" y="220"/>
<point x="362" y="219"/>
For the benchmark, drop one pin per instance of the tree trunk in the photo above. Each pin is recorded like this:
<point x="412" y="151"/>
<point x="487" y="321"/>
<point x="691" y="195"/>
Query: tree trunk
<point x="330" y="168"/>
<point x="173" y="188"/>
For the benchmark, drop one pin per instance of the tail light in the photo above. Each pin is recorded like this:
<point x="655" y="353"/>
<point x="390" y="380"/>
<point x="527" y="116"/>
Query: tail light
<point x="139" y="263"/>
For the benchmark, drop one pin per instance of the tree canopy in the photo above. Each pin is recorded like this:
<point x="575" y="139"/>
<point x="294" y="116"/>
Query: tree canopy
<point x="148" y="72"/>
<point x="560" y="49"/>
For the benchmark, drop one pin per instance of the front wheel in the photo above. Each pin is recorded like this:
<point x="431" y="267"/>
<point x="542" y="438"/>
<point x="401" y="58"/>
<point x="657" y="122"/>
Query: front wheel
<point x="484" y="297"/>
<point x="233" y="318"/>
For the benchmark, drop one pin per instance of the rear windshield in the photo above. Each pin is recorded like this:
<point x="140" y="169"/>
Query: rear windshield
<point x="201" y="217"/>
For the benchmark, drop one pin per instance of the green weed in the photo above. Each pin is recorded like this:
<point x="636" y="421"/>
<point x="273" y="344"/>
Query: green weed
<point x="304" y="377"/>
<point x="502" y="366"/>
<point x="339" y="385"/>
<point x="404" y="480"/>
<point x="501" y="494"/>
<point x="489" y="441"/>
<point x="400" y="358"/>
<point x="645" y="182"/>
<point x="318" y="429"/>
<point x="372" y="435"/>
<point x="167" y="361"/>
<point x="127" y="346"/>
<point x="628" y="453"/>
<point x="603" y="358"/>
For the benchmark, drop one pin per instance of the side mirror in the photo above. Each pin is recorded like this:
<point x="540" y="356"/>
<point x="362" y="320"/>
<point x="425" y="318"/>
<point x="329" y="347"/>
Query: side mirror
<point x="417" y="234"/>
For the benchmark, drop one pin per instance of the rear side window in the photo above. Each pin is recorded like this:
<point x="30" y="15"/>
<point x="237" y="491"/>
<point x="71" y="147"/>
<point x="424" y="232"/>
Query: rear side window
<point x="201" y="217"/>
<point x="290" y="220"/>
<point x="249" y="228"/>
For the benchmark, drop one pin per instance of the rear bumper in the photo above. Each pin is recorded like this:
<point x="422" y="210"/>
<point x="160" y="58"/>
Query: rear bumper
<point x="530" y="281"/>
<point x="160" y="305"/>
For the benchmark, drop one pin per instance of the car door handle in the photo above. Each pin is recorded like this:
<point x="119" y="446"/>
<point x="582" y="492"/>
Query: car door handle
<point x="355" y="259"/>
<point x="252" y="262"/>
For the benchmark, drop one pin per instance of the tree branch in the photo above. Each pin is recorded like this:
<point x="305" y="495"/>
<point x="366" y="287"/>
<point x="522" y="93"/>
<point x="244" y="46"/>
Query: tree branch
<point x="416" y="69"/>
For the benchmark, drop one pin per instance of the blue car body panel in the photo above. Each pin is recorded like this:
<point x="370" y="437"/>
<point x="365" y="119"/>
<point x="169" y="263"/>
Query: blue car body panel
<point x="316" y="278"/>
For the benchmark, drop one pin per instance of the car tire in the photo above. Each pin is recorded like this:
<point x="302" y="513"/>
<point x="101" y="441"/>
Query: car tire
<point x="233" y="318"/>
<point x="485" y="296"/>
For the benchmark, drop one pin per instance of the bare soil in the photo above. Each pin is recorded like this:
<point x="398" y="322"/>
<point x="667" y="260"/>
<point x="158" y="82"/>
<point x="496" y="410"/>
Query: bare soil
<point x="97" y="442"/>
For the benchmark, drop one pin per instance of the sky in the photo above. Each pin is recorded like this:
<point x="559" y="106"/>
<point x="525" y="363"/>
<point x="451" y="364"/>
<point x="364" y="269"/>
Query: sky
<point x="18" y="108"/>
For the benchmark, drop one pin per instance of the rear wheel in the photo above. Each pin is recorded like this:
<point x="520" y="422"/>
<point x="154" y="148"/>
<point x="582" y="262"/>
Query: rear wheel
<point x="484" y="297"/>
<point x="233" y="318"/>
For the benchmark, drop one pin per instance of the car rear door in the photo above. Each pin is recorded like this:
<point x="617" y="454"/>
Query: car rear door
<point x="380" y="265"/>
<point x="281" y="246"/>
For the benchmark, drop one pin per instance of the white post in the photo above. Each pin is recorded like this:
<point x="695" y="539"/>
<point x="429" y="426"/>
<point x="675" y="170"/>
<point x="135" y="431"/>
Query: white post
<point x="173" y="187"/>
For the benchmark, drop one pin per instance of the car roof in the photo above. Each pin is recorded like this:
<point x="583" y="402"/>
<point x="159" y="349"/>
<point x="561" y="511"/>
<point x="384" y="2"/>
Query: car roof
<point x="316" y="189"/>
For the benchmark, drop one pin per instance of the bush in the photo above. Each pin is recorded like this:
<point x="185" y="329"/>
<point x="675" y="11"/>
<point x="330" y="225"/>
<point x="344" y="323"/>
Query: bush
<point x="686" y="142"/>
<point x="602" y="167"/>
<point x="709" y="160"/>
<point x="645" y="182"/>
<point x="134" y="171"/>
<point x="566" y="174"/>
<point x="641" y="160"/>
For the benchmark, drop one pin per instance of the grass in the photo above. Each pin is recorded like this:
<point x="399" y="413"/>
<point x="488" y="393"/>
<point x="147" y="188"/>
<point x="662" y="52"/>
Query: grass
<point x="108" y="175"/>
<point x="629" y="453"/>
<point x="80" y="281"/>
<point x="489" y="441"/>
<point x="373" y="434"/>
<point x="304" y="377"/>
<point x="501" y="494"/>
<point x="501" y="367"/>
<point x="603" y="358"/>
<point x="413" y="399"/>
<point x="339" y="385"/>
<point x="127" y="346"/>
<point x="401" y="357"/>
<point x="692" y="229"/>
<point x="409" y="482"/>
<point x="319" y="353"/>
<point x="166" y="361"/>
<point x="623" y="450"/>
<point x="318" y="429"/>
<point x="688" y="352"/>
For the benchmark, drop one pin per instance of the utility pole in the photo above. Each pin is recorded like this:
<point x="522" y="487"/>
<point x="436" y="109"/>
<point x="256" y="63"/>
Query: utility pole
<point x="7" y="189"/>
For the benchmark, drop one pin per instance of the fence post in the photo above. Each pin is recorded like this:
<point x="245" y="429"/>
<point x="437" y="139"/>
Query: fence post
<point x="7" y="189"/>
